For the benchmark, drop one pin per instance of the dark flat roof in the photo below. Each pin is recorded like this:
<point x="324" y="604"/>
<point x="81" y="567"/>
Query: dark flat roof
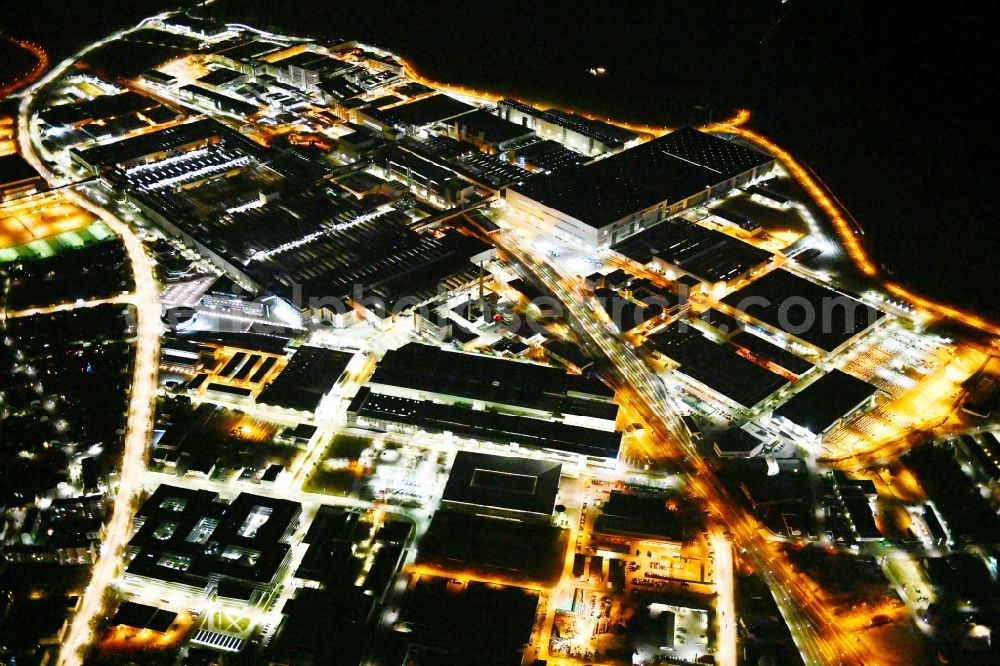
<point x="304" y="60"/>
<point x="780" y="299"/>
<point x="433" y="370"/>
<point x="248" y="50"/>
<point x="717" y="366"/>
<point x="707" y="254"/>
<point x="819" y="405"/>
<point x="229" y="103"/>
<point x="721" y="321"/>
<point x="736" y="440"/>
<point x="165" y="139"/>
<point x="670" y="168"/>
<point x="610" y="135"/>
<point x="492" y="426"/>
<point x="766" y="351"/>
<point x="237" y="391"/>
<point x="104" y="106"/>
<point x="504" y="482"/>
<point x="141" y="616"/>
<point x="624" y="313"/>
<point x="14" y="169"/>
<point x="310" y="374"/>
<point x="220" y="77"/>
<point x="639" y="515"/>
<point x="384" y="100"/>
<point x="427" y="110"/>
<point x="527" y="289"/>
<point x="194" y="527"/>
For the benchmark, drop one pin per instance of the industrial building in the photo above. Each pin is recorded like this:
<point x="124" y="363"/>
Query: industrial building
<point x="679" y="248"/>
<point x="575" y="445"/>
<point x="821" y="320"/>
<point x="152" y="147"/>
<point x="428" y="179"/>
<point x="17" y="177"/>
<point x="579" y="133"/>
<point x="309" y="376"/>
<point x="820" y="407"/>
<point x="218" y="101"/>
<point x="222" y="79"/>
<point x="425" y="372"/>
<point x="491" y="401"/>
<point x="507" y="487"/>
<point x="639" y="516"/>
<point x="716" y="367"/>
<point x="605" y="201"/>
<point x="238" y="204"/>
<point x="192" y="541"/>
<point x="424" y="112"/>
<point x="487" y="131"/>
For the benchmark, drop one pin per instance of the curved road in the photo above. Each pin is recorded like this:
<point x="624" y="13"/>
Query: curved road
<point x="42" y="61"/>
<point x="145" y="301"/>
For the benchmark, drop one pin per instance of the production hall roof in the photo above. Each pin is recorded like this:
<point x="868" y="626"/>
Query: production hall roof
<point x="820" y="405"/>
<point x="504" y="482"/>
<point x="670" y="168"/>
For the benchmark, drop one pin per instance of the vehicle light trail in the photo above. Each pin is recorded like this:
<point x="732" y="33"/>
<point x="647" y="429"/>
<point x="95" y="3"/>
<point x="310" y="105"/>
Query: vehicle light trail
<point x="722" y="576"/>
<point x="63" y="307"/>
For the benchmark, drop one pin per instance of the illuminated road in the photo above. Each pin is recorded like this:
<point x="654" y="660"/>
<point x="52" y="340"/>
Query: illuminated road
<point x="725" y="587"/>
<point x="139" y="423"/>
<point x="41" y="62"/>
<point x="846" y="231"/>
<point x="815" y="629"/>
<point x="64" y="307"/>
<point x="640" y="390"/>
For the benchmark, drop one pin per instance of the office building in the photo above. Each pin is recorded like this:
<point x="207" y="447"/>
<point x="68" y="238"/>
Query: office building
<point x="194" y="542"/>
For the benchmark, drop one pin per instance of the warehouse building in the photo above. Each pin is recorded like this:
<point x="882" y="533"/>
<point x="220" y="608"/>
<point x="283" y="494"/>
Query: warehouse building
<point x="679" y="248"/>
<point x="424" y="372"/>
<point x="819" y="408"/>
<point x="580" y="134"/>
<point x="309" y="377"/>
<point x="487" y="131"/>
<point x="17" y="178"/>
<point x="816" y="317"/>
<point x="154" y="146"/>
<point x="716" y="368"/>
<point x="423" y="112"/>
<point x="508" y="487"/>
<point x="605" y="201"/>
